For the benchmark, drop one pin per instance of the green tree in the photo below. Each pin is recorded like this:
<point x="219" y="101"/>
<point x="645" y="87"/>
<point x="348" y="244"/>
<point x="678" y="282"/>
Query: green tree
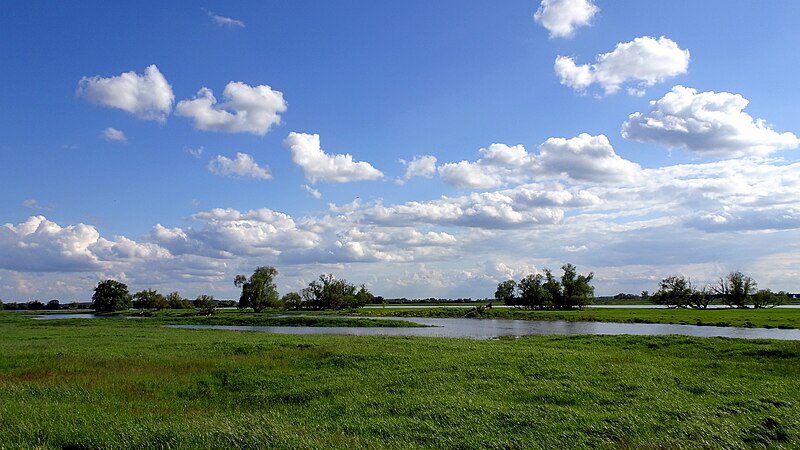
<point x="675" y="291"/>
<point x="54" y="304"/>
<point x="328" y="292"/>
<point x="206" y="305"/>
<point x="506" y="292"/>
<point x="768" y="299"/>
<point x="176" y="301"/>
<point x="532" y="292"/>
<point x="736" y="289"/>
<point x="292" y="300"/>
<point x="149" y="299"/>
<point x="576" y="288"/>
<point x="110" y="296"/>
<point x="1" y="304"/>
<point x="259" y="291"/>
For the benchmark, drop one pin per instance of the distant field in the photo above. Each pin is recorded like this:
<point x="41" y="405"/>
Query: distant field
<point x="122" y="383"/>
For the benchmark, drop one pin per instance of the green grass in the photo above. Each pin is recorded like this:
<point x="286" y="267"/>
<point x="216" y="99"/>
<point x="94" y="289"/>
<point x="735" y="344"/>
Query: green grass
<point x="122" y="383"/>
<point x="728" y="317"/>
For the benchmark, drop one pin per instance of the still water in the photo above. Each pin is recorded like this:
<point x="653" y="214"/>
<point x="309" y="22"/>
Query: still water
<point x="494" y="328"/>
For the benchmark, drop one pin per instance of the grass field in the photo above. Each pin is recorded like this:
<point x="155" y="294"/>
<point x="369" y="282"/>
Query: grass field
<point x="122" y="383"/>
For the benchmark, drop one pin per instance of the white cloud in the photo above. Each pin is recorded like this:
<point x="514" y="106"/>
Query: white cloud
<point x="147" y="96"/>
<point x="223" y="21"/>
<point x="644" y="61"/>
<point x="707" y="123"/>
<point x="255" y="109"/>
<point x="227" y="233"/>
<point x="113" y="134"/>
<point x="43" y="246"/>
<point x="585" y="157"/>
<point x="243" y="166"/>
<point x="320" y="166"/>
<point x="562" y="17"/>
<point x="420" y="166"/>
<point x="312" y="192"/>
<point x="582" y="158"/>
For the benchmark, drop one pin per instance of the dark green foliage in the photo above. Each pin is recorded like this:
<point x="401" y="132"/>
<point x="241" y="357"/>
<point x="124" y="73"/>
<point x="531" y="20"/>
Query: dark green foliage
<point x="675" y="290"/>
<point x="149" y="299"/>
<point x="539" y="291"/>
<point x="176" y="301"/>
<point x="767" y="299"/>
<point x="328" y="292"/>
<point x="206" y="305"/>
<point x="259" y="291"/>
<point x="292" y="300"/>
<point x="53" y="304"/>
<point x="736" y="289"/>
<point x="110" y="296"/>
<point x="506" y="292"/>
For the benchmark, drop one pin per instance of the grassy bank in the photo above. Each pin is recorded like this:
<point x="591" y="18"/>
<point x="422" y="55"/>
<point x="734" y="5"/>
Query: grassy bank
<point x="190" y="317"/>
<point x="121" y="383"/>
<point x="728" y="317"/>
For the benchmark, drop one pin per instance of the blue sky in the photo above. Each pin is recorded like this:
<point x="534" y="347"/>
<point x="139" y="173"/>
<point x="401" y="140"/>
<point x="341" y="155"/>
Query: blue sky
<point x="486" y="140"/>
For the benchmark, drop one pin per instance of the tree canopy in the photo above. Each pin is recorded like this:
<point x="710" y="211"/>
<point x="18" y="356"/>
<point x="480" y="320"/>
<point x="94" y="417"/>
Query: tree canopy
<point x="259" y="291"/>
<point x="544" y="290"/>
<point x="110" y="296"/>
<point x="329" y="292"/>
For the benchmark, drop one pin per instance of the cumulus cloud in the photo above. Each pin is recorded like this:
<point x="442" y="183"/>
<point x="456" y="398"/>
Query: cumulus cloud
<point x="115" y="135"/>
<point x="245" y="109"/>
<point x="562" y="17"/>
<point x="223" y="21"/>
<point x="585" y="157"/>
<point x="243" y="166"/>
<point x="707" y="123"/>
<point x="522" y="206"/>
<point x="146" y="96"/>
<point x="644" y="61"/>
<point x="320" y="166"/>
<point x="420" y="166"/>
<point x="41" y="245"/>
<point x="582" y="158"/>
<point x="227" y="233"/>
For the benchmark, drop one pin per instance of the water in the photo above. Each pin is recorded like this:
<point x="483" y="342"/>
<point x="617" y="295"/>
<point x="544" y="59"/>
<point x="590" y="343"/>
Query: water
<point x="494" y="328"/>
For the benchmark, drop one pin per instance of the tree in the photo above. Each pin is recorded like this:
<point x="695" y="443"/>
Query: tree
<point x="35" y="305"/>
<point x="110" y="296"/>
<point x="700" y="298"/>
<point x="176" y="301"/>
<point x="675" y="291"/>
<point x="736" y="289"/>
<point x="553" y="288"/>
<point x="505" y="292"/>
<point x="292" y="300"/>
<point x="768" y="299"/>
<point x="149" y="299"/>
<point x="259" y="291"/>
<point x="54" y="304"/>
<point x="206" y="304"/>
<point x="328" y="292"/>
<point x="576" y="289"/>
<point x="532" y="292"/>
<point x="1" y="304"/>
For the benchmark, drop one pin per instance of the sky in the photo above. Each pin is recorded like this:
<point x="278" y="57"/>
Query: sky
<point x="424" y="149"/>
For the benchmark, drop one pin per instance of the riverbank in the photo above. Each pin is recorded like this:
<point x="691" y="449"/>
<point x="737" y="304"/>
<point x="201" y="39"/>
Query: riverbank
<point x="117" y="383"/>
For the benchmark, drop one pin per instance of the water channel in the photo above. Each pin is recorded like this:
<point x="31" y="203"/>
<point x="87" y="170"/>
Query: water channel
<point x="495" y="328"/>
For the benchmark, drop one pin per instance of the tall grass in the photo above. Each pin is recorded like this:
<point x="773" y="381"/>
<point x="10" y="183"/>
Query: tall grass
<point x="118" y="383"/>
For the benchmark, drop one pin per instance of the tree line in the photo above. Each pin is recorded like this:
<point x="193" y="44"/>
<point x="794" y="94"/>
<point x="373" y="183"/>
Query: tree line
<point x="259" y="292"/>
<point x="545" y="291"/>
<point x="736" y="290"/>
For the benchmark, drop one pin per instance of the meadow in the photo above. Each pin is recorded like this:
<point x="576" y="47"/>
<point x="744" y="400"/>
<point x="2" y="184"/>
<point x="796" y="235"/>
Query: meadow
<point x="125" y="383"/>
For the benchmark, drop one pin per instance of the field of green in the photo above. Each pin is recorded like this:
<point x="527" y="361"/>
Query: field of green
<point x="726" y="317"/>
<point x="125" y="383"/>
